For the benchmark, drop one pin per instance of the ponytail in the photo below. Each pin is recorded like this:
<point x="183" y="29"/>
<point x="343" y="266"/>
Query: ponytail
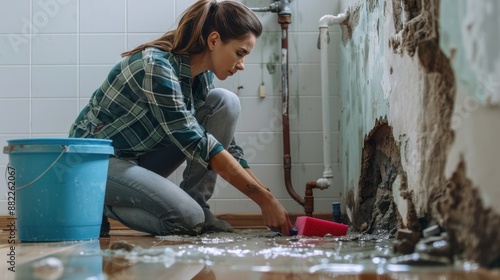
<point x="231" y="19"/>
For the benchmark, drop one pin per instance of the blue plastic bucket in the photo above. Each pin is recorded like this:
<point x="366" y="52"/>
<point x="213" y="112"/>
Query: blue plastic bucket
<point x="59" y="187"/>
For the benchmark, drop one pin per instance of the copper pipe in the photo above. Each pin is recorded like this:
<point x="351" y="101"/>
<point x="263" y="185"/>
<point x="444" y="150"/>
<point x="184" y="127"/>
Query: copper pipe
<point x="282" y="7"/>
<point x="285" y="20"/>
<point x="309" y="199"/>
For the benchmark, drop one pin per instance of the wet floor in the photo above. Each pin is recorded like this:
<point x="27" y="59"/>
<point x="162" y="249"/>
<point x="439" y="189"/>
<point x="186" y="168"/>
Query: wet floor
<point x="247" y="254"/>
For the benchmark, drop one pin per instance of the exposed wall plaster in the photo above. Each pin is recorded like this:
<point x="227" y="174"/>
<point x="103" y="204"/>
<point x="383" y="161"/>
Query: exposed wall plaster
<point x="381" y="172"/>
<point x="402" y="178"/>
<point x="472" y="228"/>
<point x="414" y="21"/>
<point x="455" y="203"/>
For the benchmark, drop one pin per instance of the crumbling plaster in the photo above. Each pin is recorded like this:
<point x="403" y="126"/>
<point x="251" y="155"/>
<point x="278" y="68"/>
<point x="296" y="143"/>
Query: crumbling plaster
<point x="470" y="36"/>
<point x="377" y="82"/>
<point x="430" y="69"/>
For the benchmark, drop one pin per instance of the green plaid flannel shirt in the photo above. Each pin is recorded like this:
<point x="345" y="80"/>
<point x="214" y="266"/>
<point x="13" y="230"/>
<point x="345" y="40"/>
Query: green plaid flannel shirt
<point x="147" y="102"/>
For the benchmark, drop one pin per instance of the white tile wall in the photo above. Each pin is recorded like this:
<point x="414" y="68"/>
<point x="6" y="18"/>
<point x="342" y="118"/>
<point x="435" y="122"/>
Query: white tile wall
<point x="55" y="53"/>
<point x="46" y="115"/>
<point x="14" y="81"/>
<point x="52" y="16"/>
<point x="15" y="115"/>
<point x="15" y="49"/>
<point x="43" y="83"/>
<point x="15" y="18"/>
<point x="54" y="49"/>
<point x="98" y="49"/>
<point x="97" y="16"/>
<point x="141" y="20"/>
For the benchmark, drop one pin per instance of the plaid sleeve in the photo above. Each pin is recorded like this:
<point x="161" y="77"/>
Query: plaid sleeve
<point x="237" y="152"/>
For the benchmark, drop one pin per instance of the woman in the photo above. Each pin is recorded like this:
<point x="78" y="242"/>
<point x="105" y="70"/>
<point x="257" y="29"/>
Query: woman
<point x="159" y="107"/>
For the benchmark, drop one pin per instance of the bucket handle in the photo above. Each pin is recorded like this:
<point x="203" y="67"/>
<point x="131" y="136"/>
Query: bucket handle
<point x="64" y="149"/>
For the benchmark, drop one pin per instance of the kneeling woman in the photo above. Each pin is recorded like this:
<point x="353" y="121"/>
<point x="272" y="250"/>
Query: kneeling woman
<point x="159" y="107"/>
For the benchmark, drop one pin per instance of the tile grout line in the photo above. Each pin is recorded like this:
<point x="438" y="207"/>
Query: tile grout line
<point x="126" y="24"/>
<point x="78" y="56"/>
<point x="30" y="113"/>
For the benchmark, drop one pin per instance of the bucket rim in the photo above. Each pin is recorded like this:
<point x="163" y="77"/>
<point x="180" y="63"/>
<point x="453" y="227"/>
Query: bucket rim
<point x="57" y="141"/>
<point x="50" y="145"/>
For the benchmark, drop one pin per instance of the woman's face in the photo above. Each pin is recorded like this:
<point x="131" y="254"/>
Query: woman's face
<point x="228" y="58"/>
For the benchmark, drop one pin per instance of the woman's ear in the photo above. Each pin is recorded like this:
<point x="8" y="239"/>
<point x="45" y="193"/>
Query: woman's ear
<point x="213" y="39"/>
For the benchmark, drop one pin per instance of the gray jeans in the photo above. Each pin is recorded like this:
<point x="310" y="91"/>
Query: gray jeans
<point x="139" y="195"/>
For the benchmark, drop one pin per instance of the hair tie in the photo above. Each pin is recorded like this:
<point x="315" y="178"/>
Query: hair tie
<point x="213" y="7"/>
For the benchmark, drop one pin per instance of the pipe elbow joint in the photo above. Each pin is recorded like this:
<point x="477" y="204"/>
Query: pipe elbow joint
<point x="328" y="20"/>
<point x="325" y="20"/>
<point x="324" y="183"/>
<point x="275" y="7"/>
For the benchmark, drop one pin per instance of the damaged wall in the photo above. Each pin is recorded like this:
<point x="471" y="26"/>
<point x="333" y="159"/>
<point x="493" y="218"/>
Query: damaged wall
<point x="428" y="71"/>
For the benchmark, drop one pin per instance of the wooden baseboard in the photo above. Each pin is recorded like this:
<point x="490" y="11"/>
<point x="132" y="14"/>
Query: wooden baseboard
<point x="255" y="220"/>
<point x="236" y="220"/>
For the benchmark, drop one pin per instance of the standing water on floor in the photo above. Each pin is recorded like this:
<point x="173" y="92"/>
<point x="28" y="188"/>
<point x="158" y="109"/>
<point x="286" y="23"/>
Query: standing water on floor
<point x="257" y="252"/>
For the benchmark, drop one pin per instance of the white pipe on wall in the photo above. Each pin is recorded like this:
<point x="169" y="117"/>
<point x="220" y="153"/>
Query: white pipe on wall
<point x="329" y="20"/>
<point x="324" y="22"/>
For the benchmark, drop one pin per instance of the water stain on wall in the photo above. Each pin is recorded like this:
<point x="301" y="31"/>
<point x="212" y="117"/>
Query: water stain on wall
<point x="352" y="22"/>
<point x="372" y="5"/>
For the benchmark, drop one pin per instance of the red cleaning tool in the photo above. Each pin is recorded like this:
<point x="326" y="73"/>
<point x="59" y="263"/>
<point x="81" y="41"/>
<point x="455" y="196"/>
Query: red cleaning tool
<point x="309" y="226"/>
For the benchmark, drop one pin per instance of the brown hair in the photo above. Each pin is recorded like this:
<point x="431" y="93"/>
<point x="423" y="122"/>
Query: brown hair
<point x="231" y="19"/>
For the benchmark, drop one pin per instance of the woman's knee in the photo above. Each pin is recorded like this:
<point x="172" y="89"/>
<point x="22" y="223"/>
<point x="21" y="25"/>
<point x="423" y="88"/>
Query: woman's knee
<point x="225" y="100"/>
<point x="190" y="221"/>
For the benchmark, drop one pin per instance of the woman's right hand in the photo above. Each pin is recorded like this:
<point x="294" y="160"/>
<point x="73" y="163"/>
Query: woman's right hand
<point x="275" y="216"/>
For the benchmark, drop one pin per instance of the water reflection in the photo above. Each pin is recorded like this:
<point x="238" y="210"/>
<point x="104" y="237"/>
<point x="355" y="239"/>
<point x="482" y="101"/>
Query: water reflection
<point x="60" y="260"/>
<point x="269" y="256"/>
<point x="251" y="254"/>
